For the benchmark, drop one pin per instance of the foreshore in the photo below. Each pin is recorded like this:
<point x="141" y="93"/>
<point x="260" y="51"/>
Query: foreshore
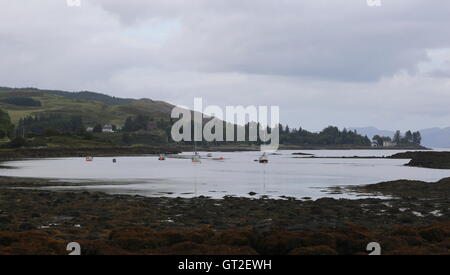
<point x="413" y="220"/>
<point x="9" y="154"/>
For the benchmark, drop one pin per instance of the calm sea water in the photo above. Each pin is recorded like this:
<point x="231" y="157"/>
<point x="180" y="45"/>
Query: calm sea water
<point x="237" y="175"/>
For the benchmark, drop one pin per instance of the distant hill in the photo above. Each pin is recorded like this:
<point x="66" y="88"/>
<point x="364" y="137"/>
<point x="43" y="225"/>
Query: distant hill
<point x="92" y="107"/>
<point x="432" y="137"/>
<point x="85" y="95"/>
<point x="436" y="137"/>
<point x="93" y="96"/>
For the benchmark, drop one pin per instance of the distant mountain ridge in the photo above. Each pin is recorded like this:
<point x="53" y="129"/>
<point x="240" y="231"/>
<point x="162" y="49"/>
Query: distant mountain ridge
<point x="431" y="137"/>
<point x="436" y="137"/>
<point x="83" y="95"/>
<point x="94" y="96"/>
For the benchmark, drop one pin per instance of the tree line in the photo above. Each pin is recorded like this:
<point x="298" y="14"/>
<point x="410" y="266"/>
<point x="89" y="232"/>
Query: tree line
<point x="49" y="124"/>
<point x="22" y="101"/>
<point x="329" y="136"/>
<point x="140" y="127"/>
<point x="409" y="138"/>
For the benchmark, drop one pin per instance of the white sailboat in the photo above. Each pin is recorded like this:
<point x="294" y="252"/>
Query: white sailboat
<point x="196" y="157"/>
<point x="264" y="158"/>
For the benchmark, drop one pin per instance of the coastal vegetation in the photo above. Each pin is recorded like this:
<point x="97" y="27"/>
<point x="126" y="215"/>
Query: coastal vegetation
<point x="398" y="140"/>
<point x="328" y="136"/>
<point x="408" y="138"/>
<point x="47" y="118"/>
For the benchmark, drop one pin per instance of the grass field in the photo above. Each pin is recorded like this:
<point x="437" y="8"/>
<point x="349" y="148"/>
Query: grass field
<point x="91" y="111"/>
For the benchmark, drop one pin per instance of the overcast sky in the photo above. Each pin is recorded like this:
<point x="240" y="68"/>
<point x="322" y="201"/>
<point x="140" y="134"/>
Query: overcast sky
<point x="324" y="62"/>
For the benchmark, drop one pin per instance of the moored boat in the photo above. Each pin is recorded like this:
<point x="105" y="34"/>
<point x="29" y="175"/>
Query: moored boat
<point x="196" y="158"/>
<point x="264" y="158"/>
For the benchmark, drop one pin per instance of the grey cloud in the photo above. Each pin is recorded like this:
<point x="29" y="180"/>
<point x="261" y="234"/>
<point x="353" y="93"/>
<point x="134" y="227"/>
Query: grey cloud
<point x="342" y="40"/>
<point x="324" y="62"/>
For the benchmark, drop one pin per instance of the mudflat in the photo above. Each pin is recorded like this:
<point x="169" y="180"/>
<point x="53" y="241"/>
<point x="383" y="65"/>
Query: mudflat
<point x="413" y="219"/>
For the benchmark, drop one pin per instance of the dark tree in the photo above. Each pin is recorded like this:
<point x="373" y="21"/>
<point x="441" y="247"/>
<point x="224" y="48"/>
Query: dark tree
<point x="6" y="127"/>
<point x="126" y="138"/>
<point x="18" y="142"/>
<point x="417" y="138"/>
<point x="397" y="137"/>
<point x="38" y="124"/>
<point x="408" y="137"/>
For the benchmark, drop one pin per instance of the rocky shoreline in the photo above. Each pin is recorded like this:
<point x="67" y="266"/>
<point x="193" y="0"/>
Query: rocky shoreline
<point x="436" y="160"/>
<point x="414" y="219"/>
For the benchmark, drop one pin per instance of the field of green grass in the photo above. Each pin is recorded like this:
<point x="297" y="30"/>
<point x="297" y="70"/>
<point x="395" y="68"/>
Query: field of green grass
<point x="92" y="111"/>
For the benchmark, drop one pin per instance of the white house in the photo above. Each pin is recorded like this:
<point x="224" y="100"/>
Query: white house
<point x="389" y="144"/>
<point x="107" y="129"/>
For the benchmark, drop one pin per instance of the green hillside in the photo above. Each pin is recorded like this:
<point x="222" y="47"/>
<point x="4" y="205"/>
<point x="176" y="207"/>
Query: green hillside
<point x="94" y="108"/>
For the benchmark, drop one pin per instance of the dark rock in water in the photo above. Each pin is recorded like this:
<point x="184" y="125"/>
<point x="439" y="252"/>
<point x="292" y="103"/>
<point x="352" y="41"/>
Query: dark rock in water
<point x="288" y="198"/>
<point x="302" y="154"/>
<point x="438" y="160"/>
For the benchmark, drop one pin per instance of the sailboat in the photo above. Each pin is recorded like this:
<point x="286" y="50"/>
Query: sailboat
<point x="196" y="157"/>
<point x="264" y="158"/>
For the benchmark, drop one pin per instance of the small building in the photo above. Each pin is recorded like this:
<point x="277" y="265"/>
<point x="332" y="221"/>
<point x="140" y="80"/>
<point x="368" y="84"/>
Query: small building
<point x="90" y="129"/>
<point x="107" y="129"/>
<point x="389" y="144"/>
<point x="374" y="144"/>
